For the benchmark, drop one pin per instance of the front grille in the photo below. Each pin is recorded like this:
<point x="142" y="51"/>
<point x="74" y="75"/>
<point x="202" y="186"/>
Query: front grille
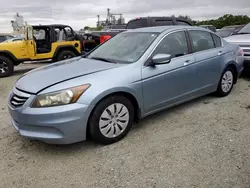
<point x="18" y="98"/>
<point x="244" y="45"/>
<point x="18" y="101"/>
<point x="246" y="50"/>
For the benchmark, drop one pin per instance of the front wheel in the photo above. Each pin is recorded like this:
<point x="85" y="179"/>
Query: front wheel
<point x="65" y="55"/>
<point x="6" y="67"/>
<point x="111" y="119"/>
<point x="226" y="82"/>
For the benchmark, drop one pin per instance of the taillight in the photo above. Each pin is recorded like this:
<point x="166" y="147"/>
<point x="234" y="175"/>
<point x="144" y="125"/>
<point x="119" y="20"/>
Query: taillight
<point x="104" y="38"/>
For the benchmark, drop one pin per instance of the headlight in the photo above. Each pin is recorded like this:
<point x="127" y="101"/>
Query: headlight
<point x="58" y="98"/>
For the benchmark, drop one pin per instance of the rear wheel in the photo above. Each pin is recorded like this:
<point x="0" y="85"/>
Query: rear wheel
<point x="226" y="82"/>
<point x="111" y="120"/>
<point x="65" y="55"/>
<point x="6" y="67"/>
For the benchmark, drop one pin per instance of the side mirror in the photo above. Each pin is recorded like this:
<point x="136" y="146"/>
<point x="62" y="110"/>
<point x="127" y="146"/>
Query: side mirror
<point x="161" y="59"/>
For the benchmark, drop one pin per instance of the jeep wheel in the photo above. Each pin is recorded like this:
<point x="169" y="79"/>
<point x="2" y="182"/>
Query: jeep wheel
<point x="6" y="67"/>
<point x="65" y="55"/>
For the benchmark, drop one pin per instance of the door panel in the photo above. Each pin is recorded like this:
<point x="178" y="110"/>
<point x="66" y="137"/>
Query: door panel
<point x="208" y="59"/>
<point x="31" y="46"/>
<point x="167" y="84"/>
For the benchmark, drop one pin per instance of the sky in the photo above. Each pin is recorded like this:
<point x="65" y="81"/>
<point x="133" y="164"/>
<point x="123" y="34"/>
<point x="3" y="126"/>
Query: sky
<point x="80" y="13"/>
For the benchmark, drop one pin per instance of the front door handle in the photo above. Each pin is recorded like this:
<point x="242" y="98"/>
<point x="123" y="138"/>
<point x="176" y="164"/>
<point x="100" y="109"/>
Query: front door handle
<point x="220" y="52"/>
<point x="187" y="62"/>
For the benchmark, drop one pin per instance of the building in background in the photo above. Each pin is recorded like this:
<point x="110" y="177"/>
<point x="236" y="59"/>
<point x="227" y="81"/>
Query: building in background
<point x="18" y="25"/>
<point x="111" y="19"/>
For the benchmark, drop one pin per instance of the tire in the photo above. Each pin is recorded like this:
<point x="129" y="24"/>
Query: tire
<point x="107" y="130"/>
<point x="6" y="67"/>
<point x="66" y="54"/>
<point x="228" y="78"/>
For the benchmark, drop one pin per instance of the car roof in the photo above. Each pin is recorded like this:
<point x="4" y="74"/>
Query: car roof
<point x="160" y="29"/>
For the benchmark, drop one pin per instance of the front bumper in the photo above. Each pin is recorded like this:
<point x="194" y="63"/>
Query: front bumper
<point x="55" y="125"/>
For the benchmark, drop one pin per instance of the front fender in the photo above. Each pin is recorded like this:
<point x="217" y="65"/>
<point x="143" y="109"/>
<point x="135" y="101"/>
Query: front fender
<point x="111" y="91"/>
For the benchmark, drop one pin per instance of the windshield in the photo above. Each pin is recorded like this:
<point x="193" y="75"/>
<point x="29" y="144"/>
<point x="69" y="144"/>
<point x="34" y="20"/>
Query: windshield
<point x="124" y="47"/>
<point x="245" y="29"/>
<point x="224" y="32"/>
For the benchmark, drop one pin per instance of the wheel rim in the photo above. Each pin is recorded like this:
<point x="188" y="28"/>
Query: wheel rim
<point x="114" y="120"/>
<point x="67" y="57"/>
<point x="3" y="67"/>
<point x="227" y="81"/>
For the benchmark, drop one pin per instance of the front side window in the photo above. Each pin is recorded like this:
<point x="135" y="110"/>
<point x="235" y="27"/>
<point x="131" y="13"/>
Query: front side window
<point x="125" y="47"/>
<point x="201" y="40"/>
<point x="39" y="34"/>
<point x="174" y="44"/>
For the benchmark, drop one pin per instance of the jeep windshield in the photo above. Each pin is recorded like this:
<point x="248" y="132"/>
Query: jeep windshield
<point x="124" y="47"/>
<point x="245" y="30"/>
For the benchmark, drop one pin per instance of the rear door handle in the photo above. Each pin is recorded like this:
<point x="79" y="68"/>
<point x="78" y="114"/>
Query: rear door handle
<point x="187" y="62"/>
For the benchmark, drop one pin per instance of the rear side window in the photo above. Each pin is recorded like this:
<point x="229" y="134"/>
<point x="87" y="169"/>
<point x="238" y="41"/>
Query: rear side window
<point x="201" y="40"/>
<point x="217" y="40"/>
<point x="163" y="22"/>
<point x="181" y="23"/>
<point x="137" y="24"/>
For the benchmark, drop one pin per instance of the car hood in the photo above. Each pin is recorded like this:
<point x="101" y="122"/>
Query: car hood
<point x="238" y="38"/>
<point x="38" y="79"/>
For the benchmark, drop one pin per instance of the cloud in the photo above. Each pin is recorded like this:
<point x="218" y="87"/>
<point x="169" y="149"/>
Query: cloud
<point x="79" y="13"/>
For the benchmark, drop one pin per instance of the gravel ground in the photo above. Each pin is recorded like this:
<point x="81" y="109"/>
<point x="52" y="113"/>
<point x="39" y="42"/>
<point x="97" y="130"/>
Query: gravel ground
<point x="203" y="143"/>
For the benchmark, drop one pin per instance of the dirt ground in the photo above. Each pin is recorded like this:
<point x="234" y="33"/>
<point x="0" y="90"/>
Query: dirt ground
<point x="203" y="143"/>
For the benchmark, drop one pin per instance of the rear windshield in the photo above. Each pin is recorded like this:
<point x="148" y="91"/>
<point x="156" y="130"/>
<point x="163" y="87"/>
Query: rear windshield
<point x="134" y="24"/>
<point x="225" y="32"/>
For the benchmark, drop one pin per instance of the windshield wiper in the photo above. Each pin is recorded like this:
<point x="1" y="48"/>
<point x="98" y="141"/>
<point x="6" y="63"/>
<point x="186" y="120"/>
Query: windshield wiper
<point x="103" y="59"/>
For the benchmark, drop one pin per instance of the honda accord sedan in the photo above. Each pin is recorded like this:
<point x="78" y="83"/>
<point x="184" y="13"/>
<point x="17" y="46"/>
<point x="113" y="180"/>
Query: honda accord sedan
<point x="130" y="76"/>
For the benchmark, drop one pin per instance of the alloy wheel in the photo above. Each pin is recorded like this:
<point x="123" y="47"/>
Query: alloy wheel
<point x="3" y="67"/>
<point x="114" y="120"/>
<point x="227" y="81"/>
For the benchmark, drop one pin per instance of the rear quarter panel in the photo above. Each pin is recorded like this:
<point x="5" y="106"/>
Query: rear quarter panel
<point x="232" y="56"/>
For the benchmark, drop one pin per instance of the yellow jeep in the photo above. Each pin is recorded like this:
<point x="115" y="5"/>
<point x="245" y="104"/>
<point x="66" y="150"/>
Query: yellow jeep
<point x="41" y="42"/>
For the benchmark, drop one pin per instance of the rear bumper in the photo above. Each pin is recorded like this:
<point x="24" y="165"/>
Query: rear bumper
<point x="54" y="125"/>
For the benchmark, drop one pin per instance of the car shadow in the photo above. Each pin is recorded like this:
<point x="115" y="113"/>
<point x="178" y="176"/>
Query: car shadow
<point x="91" y="146"/>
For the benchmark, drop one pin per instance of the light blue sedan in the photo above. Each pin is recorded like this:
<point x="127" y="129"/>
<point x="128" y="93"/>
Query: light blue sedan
<point x="130" y="76"/>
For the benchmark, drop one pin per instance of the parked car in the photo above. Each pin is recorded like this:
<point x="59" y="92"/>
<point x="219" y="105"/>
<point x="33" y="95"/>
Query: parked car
<point x="4" y="37"/>
<point x="42" y="42"/>
<point x="229" y="30"/>
<point x="13" y="39"/>
<point x="210" y="27"/>
<point x="98" y="37"/>
<point x="132" y="75"/>
<point x="242" y="38"/>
